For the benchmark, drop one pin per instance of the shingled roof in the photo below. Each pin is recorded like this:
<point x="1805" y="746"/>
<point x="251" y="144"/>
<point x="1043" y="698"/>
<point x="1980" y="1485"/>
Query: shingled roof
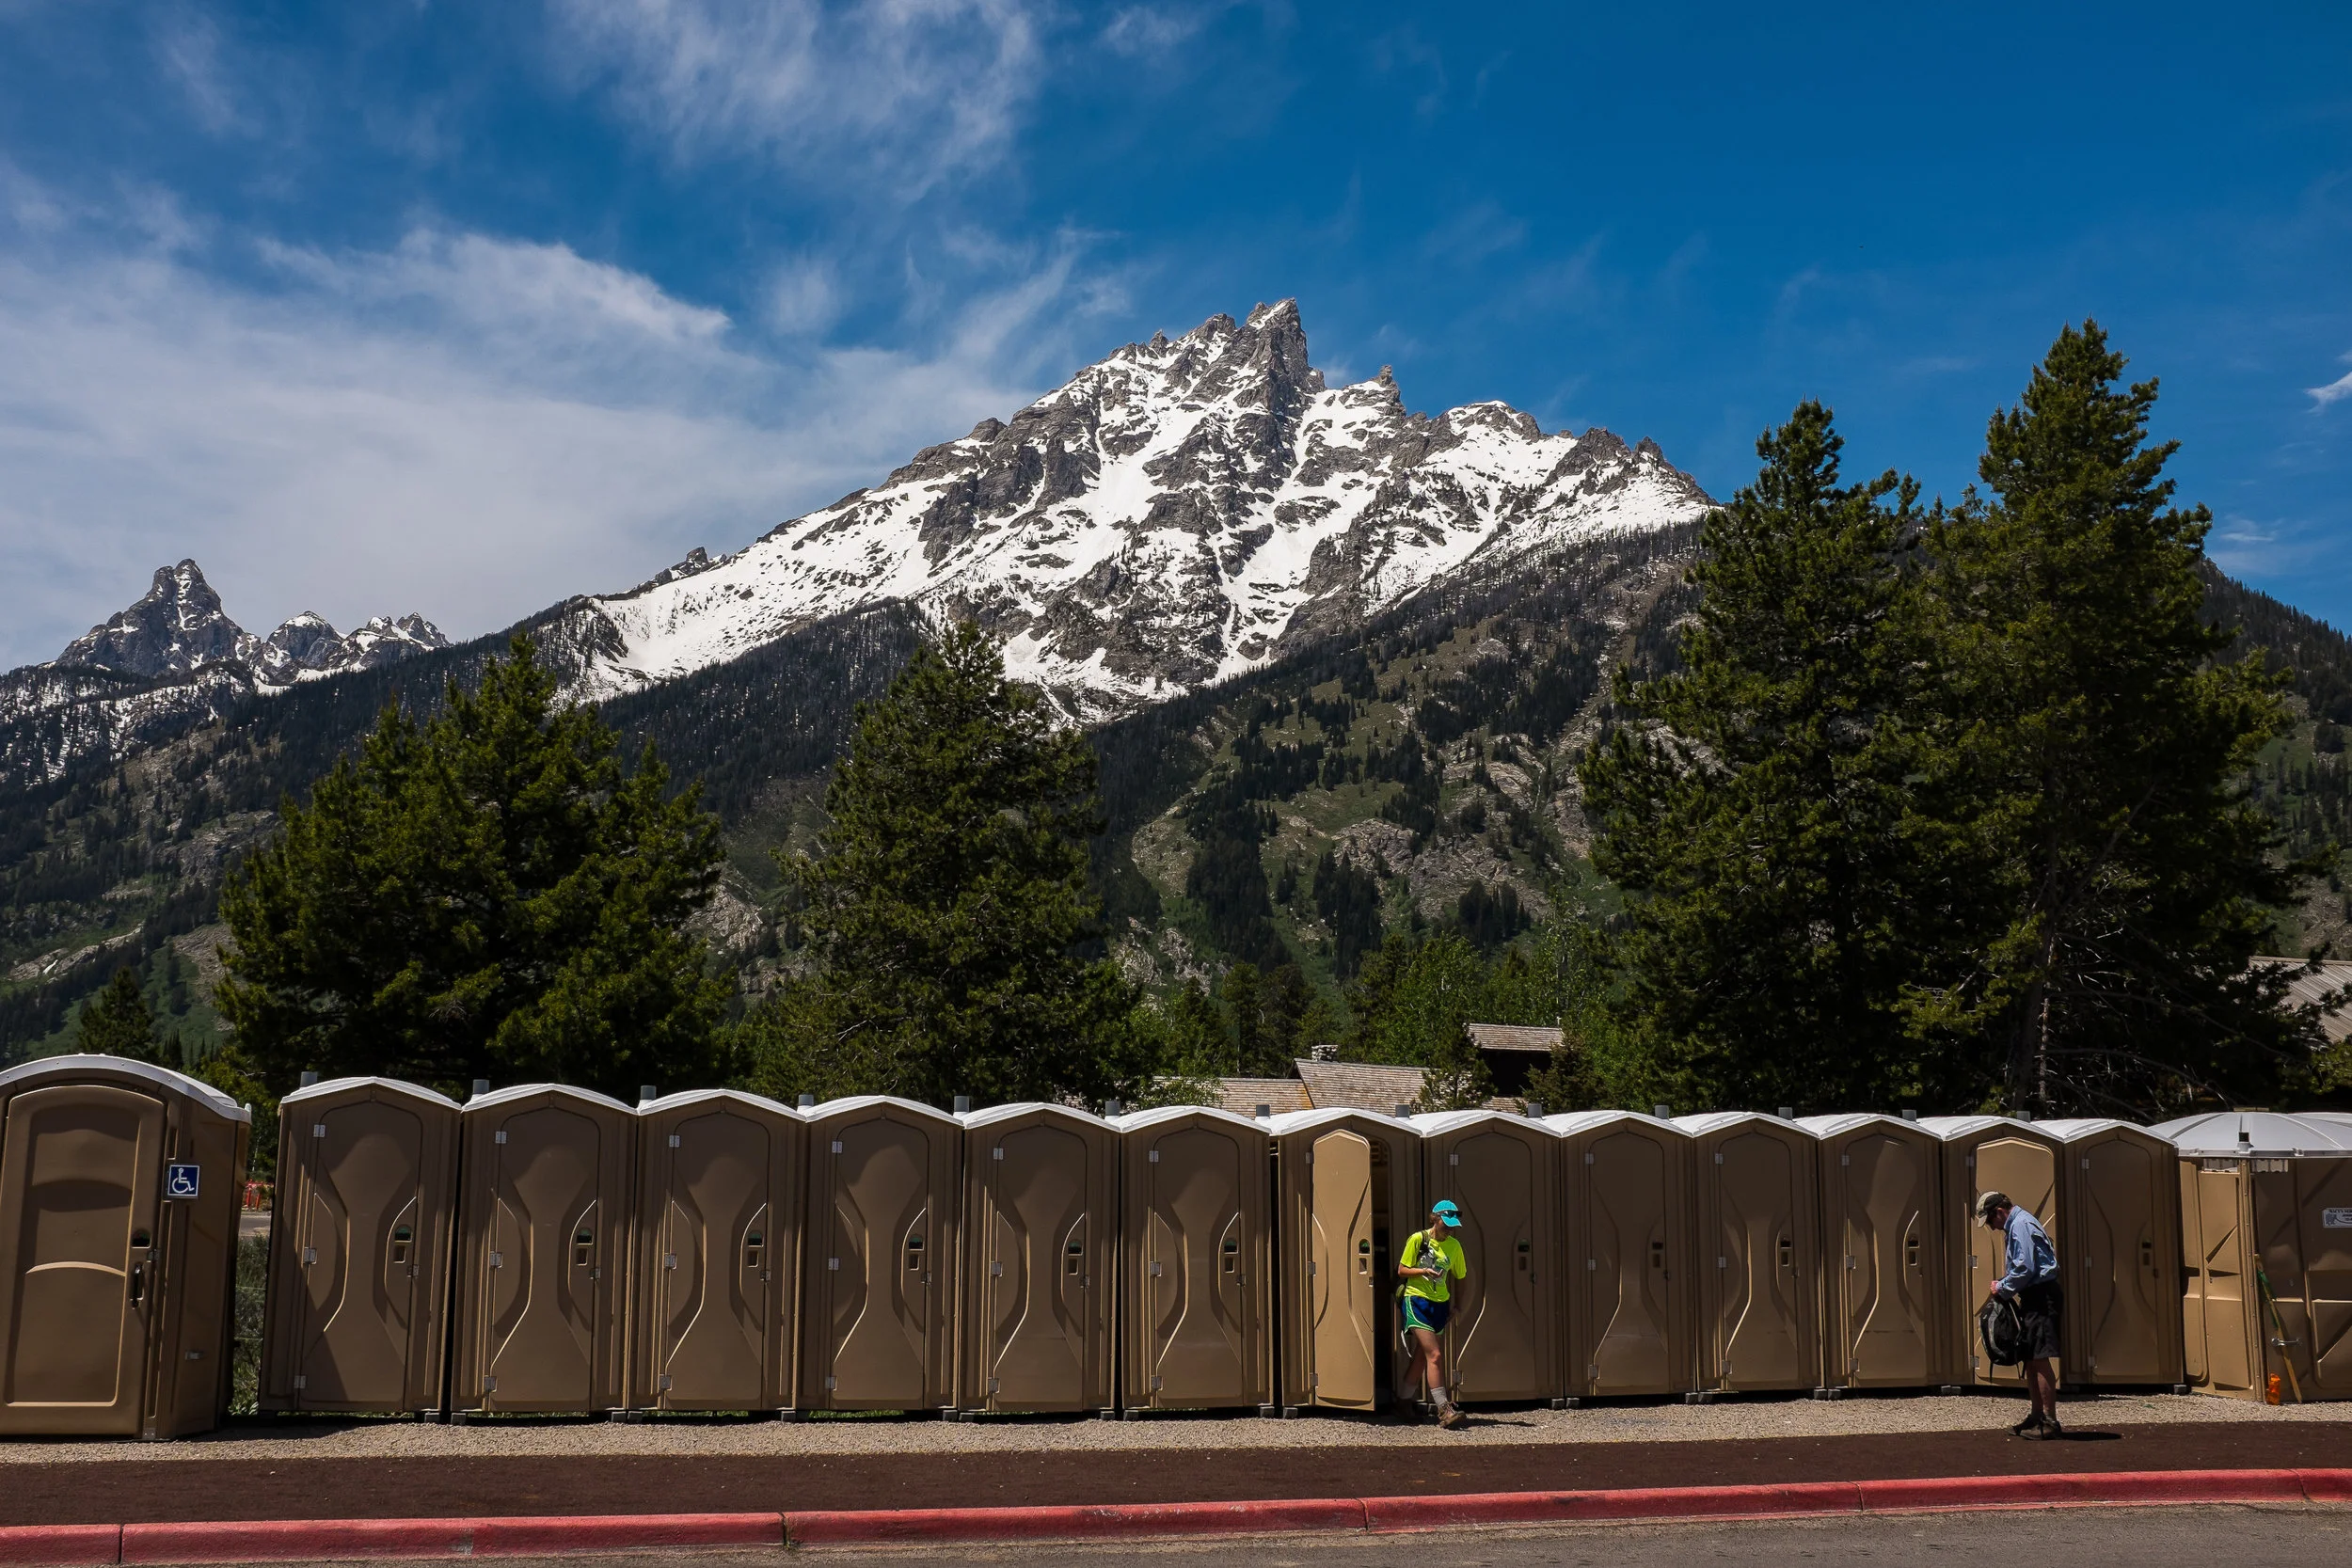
<point x="1514" y="1037"/>
<point x="1360" y="1086"/>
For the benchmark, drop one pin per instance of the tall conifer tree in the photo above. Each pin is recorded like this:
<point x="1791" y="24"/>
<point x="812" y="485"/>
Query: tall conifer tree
<point x="486" y="894"/>
<point x="948" y="908"/>
<point x="1755" y="803"/>
<point x="2093" y="746"/>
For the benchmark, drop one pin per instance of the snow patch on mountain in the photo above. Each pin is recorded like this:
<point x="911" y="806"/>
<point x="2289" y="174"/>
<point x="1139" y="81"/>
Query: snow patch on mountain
<point x="1182" y="512"/>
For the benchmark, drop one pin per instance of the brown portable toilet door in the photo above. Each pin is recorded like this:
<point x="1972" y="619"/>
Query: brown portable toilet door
<point x="2027" y="1173"/>
<point x="1626" y="1279"/>
<point x="1757" y="1184"/>
<point x="1339" y="1254"/>
<point x="544" y="1298"/>
<point x="2123" y="1292"/>
<point x="1039" y="1328"/>
<point x="1886" y="1207"/>
<point x="2323" y="1191"/>
<point x="711" y="1296"/>
<point x="360" y="1243"/>
<point x="882" y="1265"/>
<point x="78" y="1189"/>
<point x="2228" y="1291"/>
<point x="1491" y="1345"/>
<point x="1197" y="1261"/>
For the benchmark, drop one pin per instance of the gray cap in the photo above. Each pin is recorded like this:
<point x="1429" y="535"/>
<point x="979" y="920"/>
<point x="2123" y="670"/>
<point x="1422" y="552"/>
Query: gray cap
<point x="1987" y="1202"/>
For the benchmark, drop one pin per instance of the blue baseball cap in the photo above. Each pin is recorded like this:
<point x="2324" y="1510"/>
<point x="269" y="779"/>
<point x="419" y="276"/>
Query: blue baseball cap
<point x="1445" y="1211"/>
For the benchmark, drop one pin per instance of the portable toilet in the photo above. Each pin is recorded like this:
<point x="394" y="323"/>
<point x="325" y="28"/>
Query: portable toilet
<point x="2023" y="1162"/>
<point x="877" y="1321"/>
<point x="1503" y="1335"/>
<point x="359" y="1247"/>
<point x="2121" y="1261"/>
<point x="1886" y="1280"/>
<point x="1625" y="1189"/>
<point x="716" y="1254"/>
<point x="1040" y="1238"/>
<point x="2266" y="1234"/>
<point x="546" y="1200"/>
<point x="1196" y="1286"/>
<point x="119" y="1184"/>
<point x="1757" y="1191"/>
<point x="1347" y="1193"/>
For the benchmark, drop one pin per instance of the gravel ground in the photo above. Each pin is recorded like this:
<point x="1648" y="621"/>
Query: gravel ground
<point x="1748" y="1419"/>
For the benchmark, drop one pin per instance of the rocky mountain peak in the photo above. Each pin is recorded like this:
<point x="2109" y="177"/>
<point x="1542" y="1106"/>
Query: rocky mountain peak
<point x="1183" y="509"/>
<point x="176" y="626"/>
<point x="180" y="627"/>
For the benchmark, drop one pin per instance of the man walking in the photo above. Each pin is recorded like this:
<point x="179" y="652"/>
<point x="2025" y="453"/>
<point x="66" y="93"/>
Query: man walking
<point x="1431" y="1261"/>
<point x="2032" y="1281"/>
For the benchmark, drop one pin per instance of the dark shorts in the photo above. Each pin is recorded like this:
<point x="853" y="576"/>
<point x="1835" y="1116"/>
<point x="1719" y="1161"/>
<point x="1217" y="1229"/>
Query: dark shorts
<point x="1421" y="1312"/>
<point x="2039" y="1307"/>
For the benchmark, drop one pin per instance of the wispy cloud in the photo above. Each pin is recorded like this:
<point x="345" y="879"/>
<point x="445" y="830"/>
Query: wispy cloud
<point x="2335" y="391"/>
<point x="462" y="425"/>
<point x="903" y="90"/>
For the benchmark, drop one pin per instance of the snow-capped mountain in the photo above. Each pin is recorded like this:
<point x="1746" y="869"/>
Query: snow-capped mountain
<point x="179" y="627"/>
<point x="1184" y="511"/>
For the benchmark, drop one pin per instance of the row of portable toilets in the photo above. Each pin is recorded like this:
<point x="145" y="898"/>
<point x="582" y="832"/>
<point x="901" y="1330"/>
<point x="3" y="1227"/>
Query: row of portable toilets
<point x="548" y="1249"/>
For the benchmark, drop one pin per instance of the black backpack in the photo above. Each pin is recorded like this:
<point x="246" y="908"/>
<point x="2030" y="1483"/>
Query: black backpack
<point x="2002" y="1330"/>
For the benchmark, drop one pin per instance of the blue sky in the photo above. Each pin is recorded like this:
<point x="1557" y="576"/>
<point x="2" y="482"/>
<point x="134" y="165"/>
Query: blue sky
<point x="461" y="309"/>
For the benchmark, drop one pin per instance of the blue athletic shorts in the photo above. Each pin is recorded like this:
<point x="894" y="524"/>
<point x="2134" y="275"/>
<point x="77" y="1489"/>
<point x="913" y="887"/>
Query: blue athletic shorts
<point x="1421" y="1312"/>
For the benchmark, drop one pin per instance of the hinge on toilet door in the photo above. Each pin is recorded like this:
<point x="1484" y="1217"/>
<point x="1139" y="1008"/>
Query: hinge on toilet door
<point x="499" y="1136"/>
<point x="668" y="1260"/>
<point x="498" y="1259"/>
<point x="1154" y="1157"/>
<point x="994" y="1385"/>
<point x="665" y="1383"/>
<point x="489" y="1382"/>
<point x="675" y="1142"/>
<point x="318" y="1129"/>
<point x="301" y="1382"/>
<point x="836" y="1148"/>
<point x="997" y="1271"/>
<point x="996" y="1153"/>
<point x="310" y="1255"/>
<point x="1719" y="1159"/>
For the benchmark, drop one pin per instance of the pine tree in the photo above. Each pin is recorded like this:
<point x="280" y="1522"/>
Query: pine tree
<point x="484" y="895"/>
<point x="2095" y="746"/>
<point x="1756" y="805"/>
<point x="948" y="911"/>
<point x="119" y="1022"/>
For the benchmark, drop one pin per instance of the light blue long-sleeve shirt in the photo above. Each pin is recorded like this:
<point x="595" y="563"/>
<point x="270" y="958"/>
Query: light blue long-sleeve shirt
<point x="2031" y="1258"/>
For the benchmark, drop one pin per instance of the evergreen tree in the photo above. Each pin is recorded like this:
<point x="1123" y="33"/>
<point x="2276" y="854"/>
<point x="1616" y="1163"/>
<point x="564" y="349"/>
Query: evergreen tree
<point x="1756" y="805"/>
<point x="487" y="895"/>
<point x="2096" y="749"/>
<point x="949" y="912"/>
<point x="1245" y="1012"/>
<point x="119" y="1022"/>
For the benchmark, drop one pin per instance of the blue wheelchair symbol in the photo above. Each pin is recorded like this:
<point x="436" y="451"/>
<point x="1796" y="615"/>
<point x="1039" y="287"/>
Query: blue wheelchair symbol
<point x="179" y="1180"/>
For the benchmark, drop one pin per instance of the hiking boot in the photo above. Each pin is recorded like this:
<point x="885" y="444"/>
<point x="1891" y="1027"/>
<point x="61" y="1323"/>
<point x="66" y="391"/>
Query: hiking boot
<point x="1450" y="1416"/>
<point x="2026" y="1427"/>
<point x="2048" y="1431"/>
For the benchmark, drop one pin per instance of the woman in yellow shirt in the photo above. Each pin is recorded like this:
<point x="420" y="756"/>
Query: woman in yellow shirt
<point x="1431" y="1261"/>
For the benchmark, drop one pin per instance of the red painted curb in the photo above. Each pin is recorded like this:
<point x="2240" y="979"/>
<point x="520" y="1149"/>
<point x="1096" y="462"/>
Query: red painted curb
<point x="313" y="1540"/>
<point x="866" y="1526"/>
<point x="274" y="1540"/>
<point x="1659" y="1502"/>
<point x="62" y="1544"/>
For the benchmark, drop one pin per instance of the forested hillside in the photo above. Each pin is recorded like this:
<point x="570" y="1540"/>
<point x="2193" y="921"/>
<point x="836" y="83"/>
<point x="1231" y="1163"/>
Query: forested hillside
<point x="1410" y="774"/>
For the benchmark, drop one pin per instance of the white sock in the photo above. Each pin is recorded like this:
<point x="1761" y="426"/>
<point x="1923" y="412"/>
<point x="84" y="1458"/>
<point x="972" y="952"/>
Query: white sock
<point x="1439" y="1392"/>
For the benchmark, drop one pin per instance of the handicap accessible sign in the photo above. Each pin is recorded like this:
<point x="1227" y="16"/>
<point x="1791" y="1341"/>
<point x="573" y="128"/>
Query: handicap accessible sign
<point x="181" y="1181"/>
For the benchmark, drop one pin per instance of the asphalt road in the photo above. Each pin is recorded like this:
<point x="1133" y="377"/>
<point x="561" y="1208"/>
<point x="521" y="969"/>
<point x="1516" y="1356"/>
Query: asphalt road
<point x="2144" y="1538"/>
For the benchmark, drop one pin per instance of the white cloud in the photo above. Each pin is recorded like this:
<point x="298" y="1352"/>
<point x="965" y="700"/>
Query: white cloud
<point x="464" y="425"/>
<point x="188" y="48"/>
<point x="2334" y="391"/>
<point x="904" y="90"/>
